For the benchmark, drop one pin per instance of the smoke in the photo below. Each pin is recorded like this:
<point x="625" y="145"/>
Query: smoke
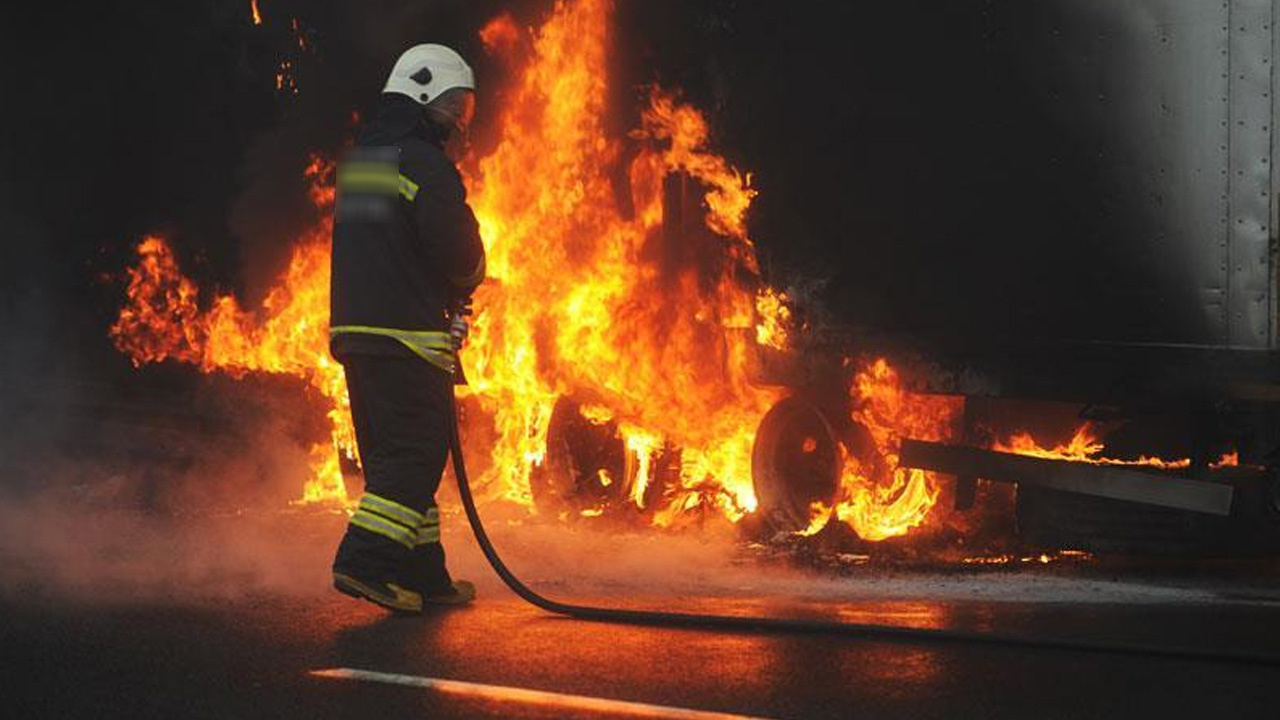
<point x="711" y="571"/>
<point x="32" y="370"/>
<point x="90" y="554"/>
<point x="23" y="305"/>
<point x="150" y="532"/>
<point x="86" y="553"/>
<point x="175" y="494"/>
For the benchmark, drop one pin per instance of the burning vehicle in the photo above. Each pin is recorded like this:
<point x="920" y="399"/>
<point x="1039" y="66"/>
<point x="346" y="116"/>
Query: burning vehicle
<point x="1081" y="334"/>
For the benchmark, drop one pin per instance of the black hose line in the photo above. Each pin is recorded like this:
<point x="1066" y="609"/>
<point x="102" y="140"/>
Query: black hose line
<point x="759" y="624"/>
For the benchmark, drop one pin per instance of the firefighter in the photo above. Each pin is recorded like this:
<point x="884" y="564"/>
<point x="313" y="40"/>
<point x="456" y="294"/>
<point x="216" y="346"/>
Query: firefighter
<point x="406" y="258"/>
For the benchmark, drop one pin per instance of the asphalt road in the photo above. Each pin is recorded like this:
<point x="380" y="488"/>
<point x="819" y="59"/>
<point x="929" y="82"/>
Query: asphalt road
<point x="238" y="620"/>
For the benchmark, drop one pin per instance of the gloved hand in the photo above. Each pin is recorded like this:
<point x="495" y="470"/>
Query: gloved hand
<point x="458" y="331"/>
<point x="459" y="328"/>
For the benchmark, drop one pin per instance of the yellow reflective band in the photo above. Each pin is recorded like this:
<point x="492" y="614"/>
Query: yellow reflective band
<point x="367" y="185"/>
<point x="369" y="177"/>
<point x="427" y="338"/>
<point x="429" y="530"/>
<point x="392" y="510"/>
<point x="408" y="188"/>
<point x="434" y="346"/>
<point x="379" y="175"/>
<point x="398" y="527"/>
<point x="427" y="536"/>
<point x="381" y="526"/>
<point x="475" y="278"/>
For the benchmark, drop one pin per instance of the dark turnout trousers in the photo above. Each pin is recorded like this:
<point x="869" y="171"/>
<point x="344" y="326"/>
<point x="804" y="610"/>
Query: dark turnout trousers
<point x="401" y="407"/>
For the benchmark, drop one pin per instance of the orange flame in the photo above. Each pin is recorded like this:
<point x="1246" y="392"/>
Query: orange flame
<point x="500" y="35"/>
<point x="1228" y="459"/>
<point x="580" y="299"/>
<point x="775" y="318"/>
<point x="888" y="501"/>
<point x="819" y="516"/>
<point x="253" y="8"/>
<point x="584" y="300"/>
<point x="1085" y="446"/>
<point x="288" y="334"/>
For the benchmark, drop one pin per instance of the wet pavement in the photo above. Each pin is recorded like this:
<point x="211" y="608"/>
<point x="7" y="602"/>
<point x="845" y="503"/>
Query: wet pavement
<point x="221" y="638"/>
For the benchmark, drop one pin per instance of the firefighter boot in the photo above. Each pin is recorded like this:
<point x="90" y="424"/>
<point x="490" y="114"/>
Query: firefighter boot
<point x="432" y="581"/>
<point x="367" y="567"/>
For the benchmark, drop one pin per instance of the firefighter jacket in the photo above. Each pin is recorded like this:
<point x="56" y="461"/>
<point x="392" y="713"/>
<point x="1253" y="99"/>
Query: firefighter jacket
<point x="406" y="246"/>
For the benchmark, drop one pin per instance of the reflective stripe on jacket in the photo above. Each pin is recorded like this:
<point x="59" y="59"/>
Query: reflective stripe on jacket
<point x="434" y="346"/>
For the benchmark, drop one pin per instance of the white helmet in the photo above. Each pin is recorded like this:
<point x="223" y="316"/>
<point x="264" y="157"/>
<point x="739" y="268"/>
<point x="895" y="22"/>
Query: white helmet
<point x="425" y="72"/>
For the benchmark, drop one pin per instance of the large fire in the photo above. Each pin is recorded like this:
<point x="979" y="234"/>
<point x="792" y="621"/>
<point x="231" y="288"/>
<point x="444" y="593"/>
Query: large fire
<point x="580" y="298"/>
<point x="585" y="300"/>
<point x="288" y="334"/>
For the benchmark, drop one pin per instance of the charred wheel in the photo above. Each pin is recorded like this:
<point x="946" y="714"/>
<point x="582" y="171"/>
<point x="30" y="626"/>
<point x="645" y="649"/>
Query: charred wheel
<point x="795" y="462"/>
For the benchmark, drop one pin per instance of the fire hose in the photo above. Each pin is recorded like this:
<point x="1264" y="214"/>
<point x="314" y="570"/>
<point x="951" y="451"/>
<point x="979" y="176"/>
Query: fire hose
<point x="868" y="631"/>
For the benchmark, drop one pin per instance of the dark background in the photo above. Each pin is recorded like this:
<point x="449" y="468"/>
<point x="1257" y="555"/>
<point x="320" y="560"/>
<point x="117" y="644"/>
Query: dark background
<point x="901" y="160"/>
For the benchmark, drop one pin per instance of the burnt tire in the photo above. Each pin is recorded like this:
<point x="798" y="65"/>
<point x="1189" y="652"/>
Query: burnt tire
<point x="795" y="462"/>
<point x="578" y="450"/>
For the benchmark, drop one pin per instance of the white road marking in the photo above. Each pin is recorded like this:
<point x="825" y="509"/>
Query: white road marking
<point x="531" y="697"/>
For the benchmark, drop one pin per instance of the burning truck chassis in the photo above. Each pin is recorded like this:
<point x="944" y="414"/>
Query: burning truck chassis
<point x="631" y="365"/>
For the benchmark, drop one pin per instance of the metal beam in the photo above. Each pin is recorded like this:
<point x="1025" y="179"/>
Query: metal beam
<point x="1109" y="481"/>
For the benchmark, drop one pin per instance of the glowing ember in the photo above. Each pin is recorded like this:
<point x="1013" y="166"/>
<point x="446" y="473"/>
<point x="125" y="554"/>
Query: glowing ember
<point x="286" y="77"/>
<point x="1042" y="558"/>
<point x="298" y="35"/>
